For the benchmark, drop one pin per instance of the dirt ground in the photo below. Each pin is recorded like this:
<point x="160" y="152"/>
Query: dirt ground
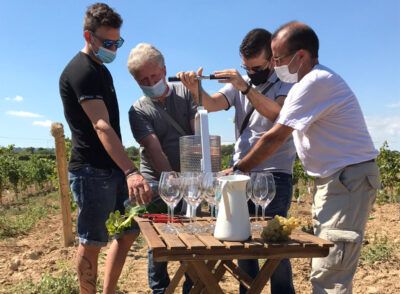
<point x="41" y="251"/>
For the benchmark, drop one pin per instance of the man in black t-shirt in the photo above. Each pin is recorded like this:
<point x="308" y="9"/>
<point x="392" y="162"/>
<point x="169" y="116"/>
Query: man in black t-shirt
<point x="101" y="173"/>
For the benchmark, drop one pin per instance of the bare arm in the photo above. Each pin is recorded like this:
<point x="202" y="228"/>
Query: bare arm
<point x="215" y="102"/>
<point x="265" y="147"/>
<point x="98" y="115"/>
<point x="266" y="107"/>
<point x="156" y="155"/>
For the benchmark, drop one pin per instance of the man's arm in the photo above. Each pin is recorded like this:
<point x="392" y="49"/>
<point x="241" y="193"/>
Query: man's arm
<point x="215" y="102"/>
<point x="266" y="107"/>
<point x="98" y="115"/>
<point x="265" y="147"/>
<point x="155" y="154"/>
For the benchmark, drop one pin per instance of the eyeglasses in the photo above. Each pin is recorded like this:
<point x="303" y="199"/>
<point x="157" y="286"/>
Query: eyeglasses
<point x="109" y="43"/>
<point x="277" y="60"/>
<point x="255" y="68"/>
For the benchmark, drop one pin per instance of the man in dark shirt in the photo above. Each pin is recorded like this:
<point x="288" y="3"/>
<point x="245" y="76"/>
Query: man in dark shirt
<point x="101" y="173"/>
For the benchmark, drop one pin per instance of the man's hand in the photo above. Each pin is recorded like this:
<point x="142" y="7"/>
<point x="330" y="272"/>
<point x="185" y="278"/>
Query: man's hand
<point x="190" y="81"/>
<point x="233" y="77"/>
<point x="227" y="172"/>
<point x="139" y="190"/>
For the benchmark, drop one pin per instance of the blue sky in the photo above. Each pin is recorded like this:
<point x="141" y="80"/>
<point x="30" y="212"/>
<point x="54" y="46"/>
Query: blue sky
<point x="360" y="40"/>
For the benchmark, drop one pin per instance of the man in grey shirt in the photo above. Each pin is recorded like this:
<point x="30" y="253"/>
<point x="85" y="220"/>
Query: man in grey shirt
<point x="252" y="120"/>
<point x="157" y="136"/>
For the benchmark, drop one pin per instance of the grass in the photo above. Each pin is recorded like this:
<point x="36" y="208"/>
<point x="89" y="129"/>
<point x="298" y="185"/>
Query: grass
<point x="17" y="219"/>
<point x="379" y="250"/>
<point x="65" y="283"/>
<point x="385" y="196"/>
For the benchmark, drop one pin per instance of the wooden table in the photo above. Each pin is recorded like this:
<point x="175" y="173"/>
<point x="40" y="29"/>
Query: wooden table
<point x="206" y="259"/>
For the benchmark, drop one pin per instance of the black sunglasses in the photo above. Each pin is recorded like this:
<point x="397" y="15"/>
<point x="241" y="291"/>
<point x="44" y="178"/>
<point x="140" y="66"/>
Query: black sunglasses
<point x="109" y="43"/>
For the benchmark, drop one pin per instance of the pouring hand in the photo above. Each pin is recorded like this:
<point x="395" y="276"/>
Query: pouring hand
<point x="188" y="78"/>
<point x="234" y="77"/>
<point x="227" y="172"/>
<point x="139" y="190"/>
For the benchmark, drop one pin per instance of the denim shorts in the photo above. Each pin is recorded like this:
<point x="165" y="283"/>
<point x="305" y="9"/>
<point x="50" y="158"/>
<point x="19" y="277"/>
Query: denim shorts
<point x="97" y="193"/>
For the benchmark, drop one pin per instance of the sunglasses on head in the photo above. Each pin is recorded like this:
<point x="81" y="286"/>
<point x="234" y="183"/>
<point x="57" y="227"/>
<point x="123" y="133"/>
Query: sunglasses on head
<point x="109" y="43"/>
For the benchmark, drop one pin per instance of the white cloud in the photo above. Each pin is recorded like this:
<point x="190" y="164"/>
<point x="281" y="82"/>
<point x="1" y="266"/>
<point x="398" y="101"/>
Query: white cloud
<point x="43" y="123"/>
<point x="23" y="114"/>
<point x="393" y="105"/>
<point x="16" y="98"/>
<point x="384" y="128"/>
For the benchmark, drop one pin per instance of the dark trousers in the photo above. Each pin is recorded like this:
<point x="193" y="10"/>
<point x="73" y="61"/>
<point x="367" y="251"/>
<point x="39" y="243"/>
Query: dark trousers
<point x="281" y="279"/>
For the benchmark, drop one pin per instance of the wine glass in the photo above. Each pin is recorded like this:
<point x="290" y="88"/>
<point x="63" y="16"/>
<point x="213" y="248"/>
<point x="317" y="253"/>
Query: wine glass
<point x="170" y="191"/>
<point x="191" y="191"/>
<point x="271" y="191"/>
<point x="210" y="186"/>
<point x="251" y="193"/>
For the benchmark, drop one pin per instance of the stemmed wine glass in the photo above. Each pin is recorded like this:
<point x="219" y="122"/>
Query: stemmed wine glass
<point x="271" y="191"/>
<point x="252" y="193"/>
<point x="170" y="191"/>
<point x="191" y="191"/>
<point x="211" y="191"/>
<point x="259" y="194"/>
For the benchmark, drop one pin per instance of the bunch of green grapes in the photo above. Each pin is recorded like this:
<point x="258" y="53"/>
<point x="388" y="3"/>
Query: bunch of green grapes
<point x="279" y="228"/>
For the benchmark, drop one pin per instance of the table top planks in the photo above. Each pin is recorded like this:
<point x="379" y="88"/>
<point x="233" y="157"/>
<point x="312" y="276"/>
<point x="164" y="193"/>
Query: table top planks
<point x="186" y="246"/>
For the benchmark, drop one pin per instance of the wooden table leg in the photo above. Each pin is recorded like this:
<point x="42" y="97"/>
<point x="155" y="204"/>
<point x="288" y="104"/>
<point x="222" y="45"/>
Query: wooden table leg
<point x="177" y="277"/>
<point x="263" y="276"/>
<point x="198" y="285"/>
<point x="206" y="276"/>
<point x="238" y="273"/>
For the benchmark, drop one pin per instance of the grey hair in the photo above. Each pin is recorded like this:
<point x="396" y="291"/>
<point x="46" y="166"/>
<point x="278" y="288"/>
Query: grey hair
<point x="142" y="54"/>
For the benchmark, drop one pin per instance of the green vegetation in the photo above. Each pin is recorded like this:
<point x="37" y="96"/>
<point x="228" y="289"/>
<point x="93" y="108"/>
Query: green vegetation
<point x="20" y="168"/>
<point x="380" y="249"/>
<point x="117" y="222"/>
<point x="389" y="166"/>
<point x="20" y="217"/>
<point x="65" y="283"/>
<point x="26" y="167"/>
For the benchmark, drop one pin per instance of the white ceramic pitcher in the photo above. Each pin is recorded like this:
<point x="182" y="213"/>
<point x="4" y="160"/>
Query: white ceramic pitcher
<point x="233" y="222"/>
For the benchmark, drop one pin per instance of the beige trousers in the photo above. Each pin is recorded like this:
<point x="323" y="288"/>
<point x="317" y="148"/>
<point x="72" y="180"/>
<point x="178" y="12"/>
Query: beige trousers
<point x="341" y="206"/>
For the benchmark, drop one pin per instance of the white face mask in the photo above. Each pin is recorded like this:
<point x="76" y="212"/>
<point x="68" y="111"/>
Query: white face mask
<point x="284" y="74"/>
<point x="156" y="90"/>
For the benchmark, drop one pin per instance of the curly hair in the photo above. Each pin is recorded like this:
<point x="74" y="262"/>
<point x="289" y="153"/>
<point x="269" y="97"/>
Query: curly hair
<point x="100" y="14"/>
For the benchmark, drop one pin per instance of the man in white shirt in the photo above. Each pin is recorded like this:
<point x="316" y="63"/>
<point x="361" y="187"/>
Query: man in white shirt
<point x="333" y="143"/>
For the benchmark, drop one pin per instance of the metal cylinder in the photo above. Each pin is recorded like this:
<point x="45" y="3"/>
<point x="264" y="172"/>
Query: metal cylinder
<point x="191" y="153"/>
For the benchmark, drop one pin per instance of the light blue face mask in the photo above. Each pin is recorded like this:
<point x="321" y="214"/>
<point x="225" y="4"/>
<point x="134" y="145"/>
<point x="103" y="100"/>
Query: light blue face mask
<point x="105" y="55"/>
<point x="156" y="90"/>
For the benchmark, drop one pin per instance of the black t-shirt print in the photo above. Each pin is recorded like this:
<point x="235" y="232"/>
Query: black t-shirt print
<point x="84" y="79"/>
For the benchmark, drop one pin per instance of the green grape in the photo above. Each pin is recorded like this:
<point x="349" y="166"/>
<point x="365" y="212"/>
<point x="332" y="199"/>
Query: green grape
<point x="279" y="228"/>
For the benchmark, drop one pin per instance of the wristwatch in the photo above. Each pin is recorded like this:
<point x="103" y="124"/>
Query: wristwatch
<point x="235" y="167"/>
<point x="245" y="92"/>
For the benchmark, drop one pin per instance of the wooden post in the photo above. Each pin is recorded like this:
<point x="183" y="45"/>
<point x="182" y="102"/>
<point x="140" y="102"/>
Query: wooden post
<point x="57" y="131"/>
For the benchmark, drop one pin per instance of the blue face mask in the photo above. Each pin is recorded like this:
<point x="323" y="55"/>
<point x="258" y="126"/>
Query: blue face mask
<point x="156" y="90"/>
<point x="105" y="55"/>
